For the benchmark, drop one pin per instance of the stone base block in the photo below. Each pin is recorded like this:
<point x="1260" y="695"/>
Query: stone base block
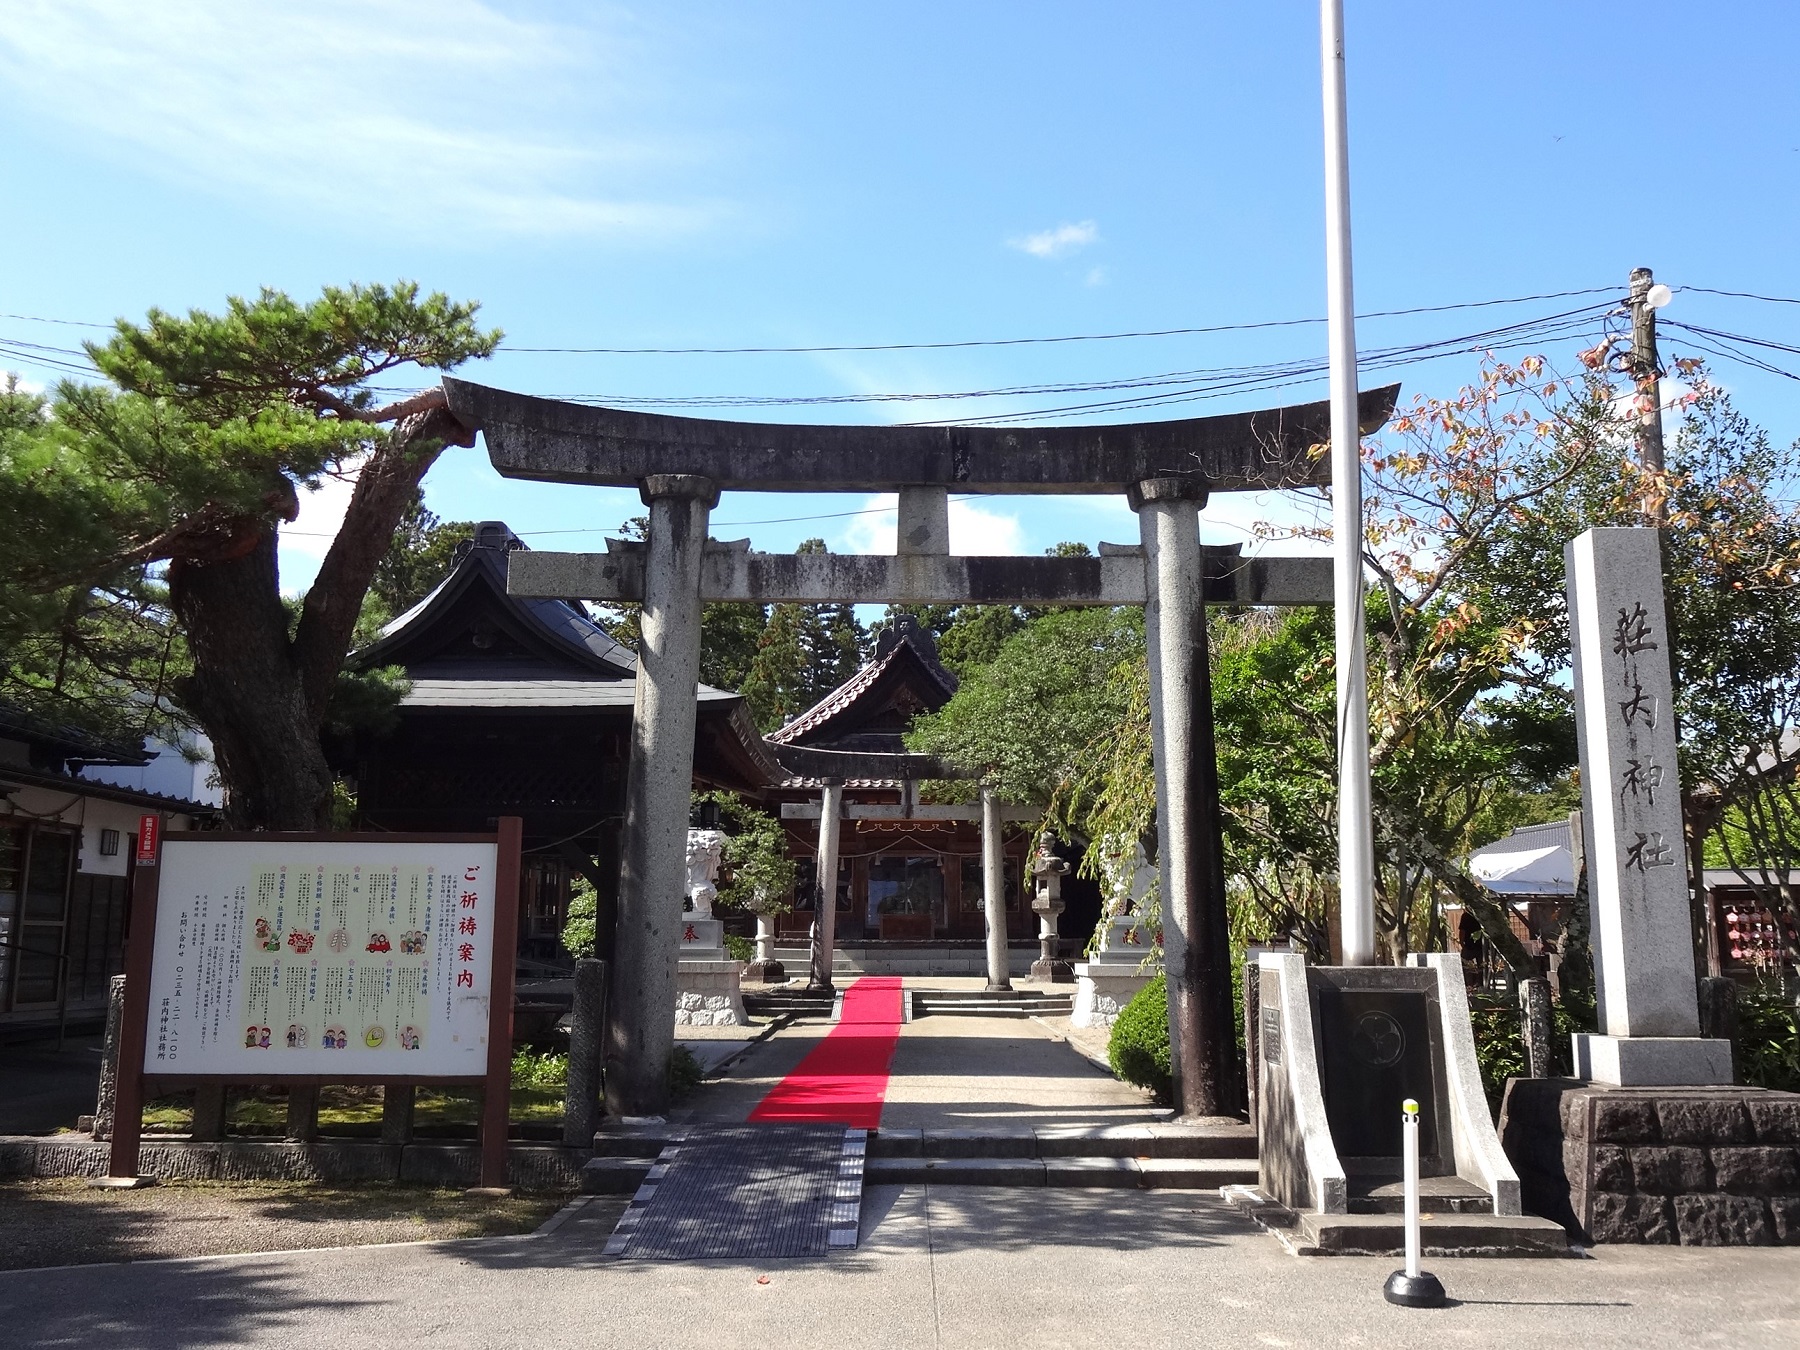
<point x="702" y="939"/>
<point x="1652" y="1061"/>
<point x="1053" y="972"/>
<point x="765" y="972"/>
<point x="1694" y="1166"/>
<point x="1102" y="989"/>
<point x="709" y="994"/>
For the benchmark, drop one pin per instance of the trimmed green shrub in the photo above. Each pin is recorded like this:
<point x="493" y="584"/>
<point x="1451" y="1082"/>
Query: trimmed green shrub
<point x="685" y="1072"/>
<point x="739" y="948"/>
<point x="1139" y="1048"/>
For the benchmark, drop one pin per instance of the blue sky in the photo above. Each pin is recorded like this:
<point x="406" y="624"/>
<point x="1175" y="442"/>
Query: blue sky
<point x="791" y="174"/>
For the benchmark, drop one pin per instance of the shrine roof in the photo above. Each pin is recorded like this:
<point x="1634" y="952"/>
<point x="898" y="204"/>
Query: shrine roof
<point x="469" y="616"/>
<point x="905" y="655"/>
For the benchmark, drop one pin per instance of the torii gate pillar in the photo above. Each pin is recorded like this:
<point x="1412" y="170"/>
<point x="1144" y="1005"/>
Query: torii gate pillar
<point x="653" y="864"/>
<point x="1190" y="863"/>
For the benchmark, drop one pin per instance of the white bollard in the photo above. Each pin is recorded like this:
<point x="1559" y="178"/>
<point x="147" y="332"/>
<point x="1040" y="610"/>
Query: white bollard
<point x="1412" y="1287"/>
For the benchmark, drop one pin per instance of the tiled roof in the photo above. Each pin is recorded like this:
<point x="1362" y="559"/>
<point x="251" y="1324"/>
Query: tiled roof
<point x="846" y="694"/>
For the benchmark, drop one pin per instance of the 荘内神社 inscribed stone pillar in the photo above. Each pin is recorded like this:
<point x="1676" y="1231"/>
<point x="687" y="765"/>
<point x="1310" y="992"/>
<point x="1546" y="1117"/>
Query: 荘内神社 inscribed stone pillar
<point x="1631" y="795"/>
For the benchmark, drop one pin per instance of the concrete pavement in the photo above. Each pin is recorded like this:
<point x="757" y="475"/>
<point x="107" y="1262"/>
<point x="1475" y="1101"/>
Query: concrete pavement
<point x="939" y="1266"/>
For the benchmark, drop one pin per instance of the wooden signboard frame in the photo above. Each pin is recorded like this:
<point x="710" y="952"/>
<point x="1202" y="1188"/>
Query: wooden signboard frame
<point x="495" y="1083"/>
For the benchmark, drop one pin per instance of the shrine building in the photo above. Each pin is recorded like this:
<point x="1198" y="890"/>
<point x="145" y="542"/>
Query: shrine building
<point x="909" y="874"/>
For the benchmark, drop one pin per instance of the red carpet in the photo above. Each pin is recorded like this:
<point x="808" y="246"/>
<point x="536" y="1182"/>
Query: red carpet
<point x="843" y="1080"/>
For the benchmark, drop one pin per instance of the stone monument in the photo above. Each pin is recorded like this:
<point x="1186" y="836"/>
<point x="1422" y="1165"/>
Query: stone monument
<point x="1649" y="1142"/>
<point x="1048" y="906"/>
<point x="707" y="986"/>
<point x="1631" y="799"/>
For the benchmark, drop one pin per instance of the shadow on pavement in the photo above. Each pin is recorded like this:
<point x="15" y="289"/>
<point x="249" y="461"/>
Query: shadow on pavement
<point x="202" y="1303"/>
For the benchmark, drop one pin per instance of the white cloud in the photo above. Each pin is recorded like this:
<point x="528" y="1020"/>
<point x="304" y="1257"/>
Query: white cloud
<point x="1096" y="276"/>
<point x="974" y="529"/>
<point x="426" y="115"/>
<point x="1059" y="242"/>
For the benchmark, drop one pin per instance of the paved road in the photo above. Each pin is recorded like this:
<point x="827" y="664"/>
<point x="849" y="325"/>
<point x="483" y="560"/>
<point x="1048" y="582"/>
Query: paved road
<point x="950" y="1266"/>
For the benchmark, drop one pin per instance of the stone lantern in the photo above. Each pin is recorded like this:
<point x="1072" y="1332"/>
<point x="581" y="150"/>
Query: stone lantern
<point x="1048" y="870"/>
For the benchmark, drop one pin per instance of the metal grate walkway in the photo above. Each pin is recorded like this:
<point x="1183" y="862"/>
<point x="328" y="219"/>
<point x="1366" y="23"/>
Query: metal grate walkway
<point x="747" y="1191"/>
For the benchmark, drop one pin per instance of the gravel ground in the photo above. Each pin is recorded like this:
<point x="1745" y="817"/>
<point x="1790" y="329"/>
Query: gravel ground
<point x="63" y="1222"/>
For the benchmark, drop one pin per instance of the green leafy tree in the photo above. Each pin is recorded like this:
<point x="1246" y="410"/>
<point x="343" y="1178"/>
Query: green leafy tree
<point x="802" y="654"/>
<point x="191" y="457"/>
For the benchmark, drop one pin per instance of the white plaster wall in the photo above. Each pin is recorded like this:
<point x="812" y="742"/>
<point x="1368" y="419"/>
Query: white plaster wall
<point x="170" y="774"/>
<point x="90" y="815"/>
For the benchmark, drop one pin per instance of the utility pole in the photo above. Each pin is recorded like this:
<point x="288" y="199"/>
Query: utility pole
<point x="1645" y="369"/>
<point x="1356" y="845"/>
<point x="1646" y="372"/>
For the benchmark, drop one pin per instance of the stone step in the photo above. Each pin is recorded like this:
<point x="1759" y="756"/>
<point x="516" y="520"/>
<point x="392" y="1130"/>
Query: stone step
<point x="613" y="1176"/>
<point x="1439" y="1235"/>
<point x="925" y="1002"/>
<point x="1437" y="1195"/>
<point x="1160" y="1139"/>
<point x="784" y="1004"/>
<point x="619" y="1142"/>
<point x="1309" y="1234"/>
<point x="1075" y="1172"/>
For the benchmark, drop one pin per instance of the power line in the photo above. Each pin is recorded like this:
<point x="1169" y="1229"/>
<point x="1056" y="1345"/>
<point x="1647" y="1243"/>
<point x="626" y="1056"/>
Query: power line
<point x="1743" y="295"/>
<point x="1035" y="341"/>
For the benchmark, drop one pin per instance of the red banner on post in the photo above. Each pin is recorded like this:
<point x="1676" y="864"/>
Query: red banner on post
<point x="149" y="839"/>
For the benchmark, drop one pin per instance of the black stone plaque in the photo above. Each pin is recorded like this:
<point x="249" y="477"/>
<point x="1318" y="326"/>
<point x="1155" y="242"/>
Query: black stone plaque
<point x="1271" y="1035"/>
<point x="1376" y="1048"/>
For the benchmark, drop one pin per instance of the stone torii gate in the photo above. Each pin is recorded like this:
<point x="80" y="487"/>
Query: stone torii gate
<point x="1167" y="470"/>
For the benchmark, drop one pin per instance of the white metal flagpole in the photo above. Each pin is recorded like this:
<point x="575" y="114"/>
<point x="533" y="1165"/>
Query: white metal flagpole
<point x="1356" y="847"/>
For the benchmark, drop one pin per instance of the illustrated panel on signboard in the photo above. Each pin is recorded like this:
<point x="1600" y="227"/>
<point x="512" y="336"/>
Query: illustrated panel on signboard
<point x="346" y="959"/>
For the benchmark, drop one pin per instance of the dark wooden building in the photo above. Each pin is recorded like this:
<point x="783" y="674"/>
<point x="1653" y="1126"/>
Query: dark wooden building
<point x="522" y="707"/>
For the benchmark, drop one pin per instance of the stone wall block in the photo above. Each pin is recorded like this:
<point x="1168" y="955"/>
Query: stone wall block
<point x="264" y="1161"/>
<point x="1722" y="1221"/>
<point x="1785" y="1210"/>
<point x="1612" y="1169"/>
<point x="1777" y="1119"/>
<point x="1573" y="1110"/>
<point x="1757" y="1171"/>
<point x="18" y="1158"/>
<point x="179" y="1161"/>
<point x="1704" y="1121"/>
<point x="1670" y="1170"/>
<point x="456" y="1165"/>
<point x="72" y="1160"/>
<point x="1625" y="1120"/>
<point x="545" y="1169"/>
<point x="1633" y="1218"/>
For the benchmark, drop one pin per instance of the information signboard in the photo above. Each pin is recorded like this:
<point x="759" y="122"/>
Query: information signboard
<point x="346" y="960"/>
<point x="307" y="959"/>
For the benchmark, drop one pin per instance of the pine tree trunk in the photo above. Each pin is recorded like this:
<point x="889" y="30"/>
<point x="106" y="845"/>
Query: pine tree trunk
<point x="247" y="692"/>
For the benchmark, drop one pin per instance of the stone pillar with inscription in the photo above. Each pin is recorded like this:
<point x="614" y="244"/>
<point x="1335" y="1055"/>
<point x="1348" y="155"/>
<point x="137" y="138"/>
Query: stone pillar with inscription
<point x="1631" y="797"/>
